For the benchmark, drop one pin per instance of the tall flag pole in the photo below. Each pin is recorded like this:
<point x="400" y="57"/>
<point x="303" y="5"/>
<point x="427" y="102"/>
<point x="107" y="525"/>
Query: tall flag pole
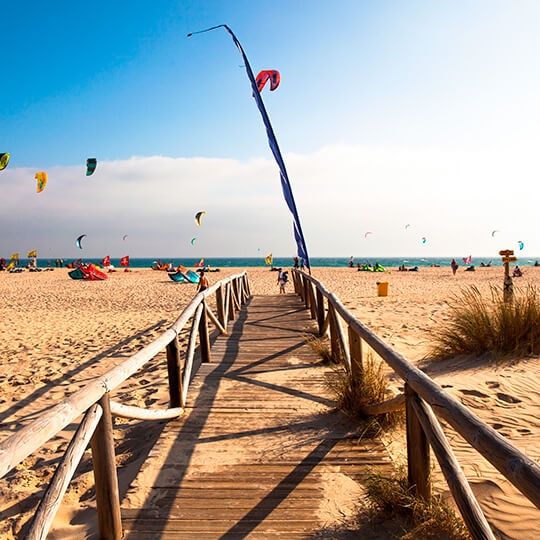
<point x="272" y="141"/>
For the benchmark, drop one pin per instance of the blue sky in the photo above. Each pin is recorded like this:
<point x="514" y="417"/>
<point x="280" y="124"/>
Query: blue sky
<point x="456" y="82"/>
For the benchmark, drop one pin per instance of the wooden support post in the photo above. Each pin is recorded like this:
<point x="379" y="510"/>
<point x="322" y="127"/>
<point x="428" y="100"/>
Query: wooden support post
<point x="106" y="480"/>
<point x="355" y="352"/>
<point x="320" y="311"/>
<point x="300" y="286"/>
<point x="174" y="369"/>
<point x="334" y="337"/>
<point x="305" y="283"/>
<point x="220" y="306"/>
<point x="295" y="280"/>
<point x="312" y="302"/>
<point x="246" y="286"/>
<point x="418" y="455"/>
<point x="204" y="336"/>
<point x="240" y="289"/>
<point x="230" y="301"/>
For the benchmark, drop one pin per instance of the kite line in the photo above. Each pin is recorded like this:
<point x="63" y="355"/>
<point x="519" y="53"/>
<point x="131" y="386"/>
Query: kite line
<point x="272" y="141"/>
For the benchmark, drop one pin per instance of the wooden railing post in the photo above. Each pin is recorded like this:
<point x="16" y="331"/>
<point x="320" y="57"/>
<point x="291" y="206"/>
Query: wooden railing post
<point x="246" y="286"/>
<point x="312" y="301"/>
<point x="355" y="351"/>
<point x="418" y="455"/>
<point x="106" y="480"/>
<point x="240" y="289"/>
<point x="230" y="301"/>
<point x="334" y="338"/>
<point x="204" y="336"/>
<point x="294" y="277"/>
<point x="220" y="306"/>
<point x="320" y="311"/>
<point x="305" y="291"/>
<point x="174" y="369"/>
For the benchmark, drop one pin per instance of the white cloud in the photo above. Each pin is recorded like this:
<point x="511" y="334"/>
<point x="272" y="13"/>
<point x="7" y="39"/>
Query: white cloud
<point x="454" y="197"/>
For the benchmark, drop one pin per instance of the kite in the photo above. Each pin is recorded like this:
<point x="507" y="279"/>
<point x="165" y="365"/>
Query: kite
<point x="4" y="160"/>
<point x="200" y="263"/>
<point x="78" y="241"/>
<point x="41" y="178"/>
<point x="521" y="244"/>
<point x="493" y="233"/>
<point x="268" y="260"/>
<point x="424" y="239"/>
<point x="407" y="226"/>
<point x="365" y="235"/>
<point x="193" y="240"/>
<point x="198" y="217"/>
<point x="91" y="164"/>
<point x="302" y="251"/>
<point x="268" y="75"/>
<point x="124" y="237"/>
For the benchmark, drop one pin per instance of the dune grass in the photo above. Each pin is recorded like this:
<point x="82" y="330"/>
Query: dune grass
<point x="392" y="497"/>
<point x="486" y="324"/>
<point x="321" y="347"/>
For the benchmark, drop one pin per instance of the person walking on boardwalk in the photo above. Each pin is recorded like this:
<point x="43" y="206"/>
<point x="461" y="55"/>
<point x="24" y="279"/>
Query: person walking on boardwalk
<point x="203" y="282"/>
<point x="282" y="280"/>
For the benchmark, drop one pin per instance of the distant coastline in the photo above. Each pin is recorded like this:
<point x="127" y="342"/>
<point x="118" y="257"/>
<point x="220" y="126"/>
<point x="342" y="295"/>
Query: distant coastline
<point x="332" y="262"/>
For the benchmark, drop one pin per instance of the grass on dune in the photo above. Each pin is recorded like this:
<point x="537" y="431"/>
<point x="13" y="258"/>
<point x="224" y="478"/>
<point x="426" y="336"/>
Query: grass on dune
<point x="392" y="497"/>
<point x="353" y="392"/>
<point x="486" y="324"/>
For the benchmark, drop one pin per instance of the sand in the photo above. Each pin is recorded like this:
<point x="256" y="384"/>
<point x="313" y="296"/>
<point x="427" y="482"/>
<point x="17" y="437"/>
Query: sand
<point x="57" y="334"/>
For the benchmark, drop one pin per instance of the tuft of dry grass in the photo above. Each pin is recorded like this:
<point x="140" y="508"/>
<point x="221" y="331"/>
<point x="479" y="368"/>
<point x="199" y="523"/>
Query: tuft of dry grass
<point x="394" y="498"/>
<point x="320" y="346"/>
<point x="480" y="325"/>
<point x="352" y="393"/>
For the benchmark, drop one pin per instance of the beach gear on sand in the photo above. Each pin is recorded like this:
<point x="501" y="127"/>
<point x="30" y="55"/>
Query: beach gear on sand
<point x="382" y="288"/>
<point x="90" y="273"/>
<point x="200" y="264"/>
<point x="268" y="75"/>
<point x="379" y="268"/>
<point x="185" y="275"/>
<point x="76" y="274"/>
<point x="4" y="160"/>
<point x="365" y="268"/>
<point x="91" y="164"/>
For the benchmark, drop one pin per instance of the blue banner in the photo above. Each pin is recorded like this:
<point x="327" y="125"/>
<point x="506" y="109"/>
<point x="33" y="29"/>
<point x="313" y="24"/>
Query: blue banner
<point x="272" y="141"/>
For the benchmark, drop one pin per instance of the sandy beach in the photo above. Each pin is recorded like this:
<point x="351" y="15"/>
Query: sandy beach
<point x="57" y="334"/>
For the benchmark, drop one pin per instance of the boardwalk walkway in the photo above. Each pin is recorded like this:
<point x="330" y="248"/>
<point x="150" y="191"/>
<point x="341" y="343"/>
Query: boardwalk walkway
<point x="260" y="451"/>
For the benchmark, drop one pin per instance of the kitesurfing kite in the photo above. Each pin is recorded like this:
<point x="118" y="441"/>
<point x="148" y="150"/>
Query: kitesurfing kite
<point x="193" y="240"/>
<point x="91" y="164"/>
<point x="124" y="238"/>
<point x="365" y="235"/>
<point x="407" y="226"/>
<point x="424" y="239"/>
<point x="78" y="241"/>
<point x="493" y="233"/>
<point x="268" y="75"/>
<point x="198" y="216"/>
<point x="41" y="178"/>
<point x="521" y="244"/>
<point x="4" y="160"/>
<point x="272" y="141"/>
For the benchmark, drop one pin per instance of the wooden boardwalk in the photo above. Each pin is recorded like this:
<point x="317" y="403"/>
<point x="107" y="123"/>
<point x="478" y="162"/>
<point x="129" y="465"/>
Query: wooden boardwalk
<point x="260" y="450"/>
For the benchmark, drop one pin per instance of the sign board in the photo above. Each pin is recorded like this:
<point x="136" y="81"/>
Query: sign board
<point x="506" y="252"/>
<point x="509" y="259"/>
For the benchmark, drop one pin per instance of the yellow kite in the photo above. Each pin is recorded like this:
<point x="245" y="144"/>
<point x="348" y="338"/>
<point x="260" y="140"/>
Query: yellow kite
<point x="41" y="178"/>
<point x="268" y="260"/>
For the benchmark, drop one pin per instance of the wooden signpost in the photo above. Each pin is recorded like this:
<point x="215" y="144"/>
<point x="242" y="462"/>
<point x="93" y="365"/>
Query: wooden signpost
<point x="508" y="289"/>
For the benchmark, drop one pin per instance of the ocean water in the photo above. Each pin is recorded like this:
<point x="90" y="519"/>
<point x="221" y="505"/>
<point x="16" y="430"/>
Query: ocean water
<point x="250" y="262"/>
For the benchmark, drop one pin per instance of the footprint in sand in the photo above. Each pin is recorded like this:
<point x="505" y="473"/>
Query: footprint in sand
<point x="524" y="431"/>
<point x="497" y="426"/>
<point x="507" y="398"/>
<point x="492" y="384"/>
<point x="474" y="393"/>
<point x="447" y="385"/>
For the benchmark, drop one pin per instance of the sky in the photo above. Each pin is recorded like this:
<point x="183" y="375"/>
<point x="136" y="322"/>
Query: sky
<point x="388" y="113"/>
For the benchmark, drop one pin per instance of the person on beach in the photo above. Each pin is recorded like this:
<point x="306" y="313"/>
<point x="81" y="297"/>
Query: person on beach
<point x="351" y="262"/>
<point x="282" y="280"/>
<point x="296" y="262"/>
<point x="454" y="266"/>
<point x="203" y="282"/>
<point x="517" y="272"/>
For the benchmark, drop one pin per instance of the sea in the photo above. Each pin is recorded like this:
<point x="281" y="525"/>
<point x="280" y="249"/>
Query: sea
<point x="250" y="262"/>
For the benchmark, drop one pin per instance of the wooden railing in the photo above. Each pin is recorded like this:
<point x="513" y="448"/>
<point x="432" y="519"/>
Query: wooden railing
<point x="424" y="401"/>
<point x="94" y="403"/>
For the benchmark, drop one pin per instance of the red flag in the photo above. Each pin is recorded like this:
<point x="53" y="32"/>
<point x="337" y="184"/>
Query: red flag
<point x="124" y="261"/>
<point x="106" y="261"/>
<point x="467" y="260"/>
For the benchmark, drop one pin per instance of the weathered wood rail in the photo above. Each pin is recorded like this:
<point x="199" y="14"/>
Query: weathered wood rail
<point x="94" y="403"/>
<point x="424" y="401"/>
